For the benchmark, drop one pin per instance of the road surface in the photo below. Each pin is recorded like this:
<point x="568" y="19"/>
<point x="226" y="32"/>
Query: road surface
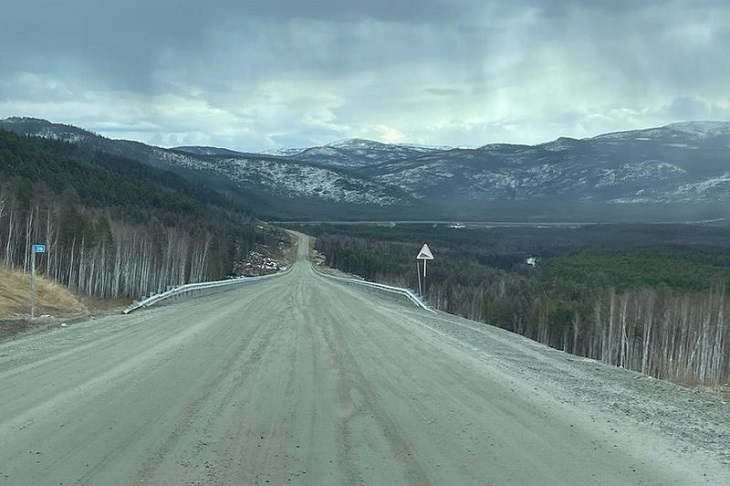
<point x="302" y="380"/>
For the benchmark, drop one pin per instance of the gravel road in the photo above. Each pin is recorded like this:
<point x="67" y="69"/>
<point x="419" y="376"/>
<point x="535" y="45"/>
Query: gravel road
<point x="302" y="380"/>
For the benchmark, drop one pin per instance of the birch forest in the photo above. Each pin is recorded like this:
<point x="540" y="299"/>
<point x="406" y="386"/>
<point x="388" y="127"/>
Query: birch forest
<point x="651" y="299"/>
<point x="113" y="227"/>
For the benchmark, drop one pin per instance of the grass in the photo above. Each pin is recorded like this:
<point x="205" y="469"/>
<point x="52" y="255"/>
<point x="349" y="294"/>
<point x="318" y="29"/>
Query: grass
<point x="96" y="305"/>
<point x="51" y="298"/>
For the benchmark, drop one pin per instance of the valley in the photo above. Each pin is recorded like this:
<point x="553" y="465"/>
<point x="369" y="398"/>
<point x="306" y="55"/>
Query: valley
<point x="365" y="243"/>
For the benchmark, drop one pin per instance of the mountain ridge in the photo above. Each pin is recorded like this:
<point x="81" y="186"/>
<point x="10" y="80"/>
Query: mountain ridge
<point x="680" y="163"/>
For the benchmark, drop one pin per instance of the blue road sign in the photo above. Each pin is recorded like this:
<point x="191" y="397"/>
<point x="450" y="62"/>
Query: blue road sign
<point x="39" y="248"/>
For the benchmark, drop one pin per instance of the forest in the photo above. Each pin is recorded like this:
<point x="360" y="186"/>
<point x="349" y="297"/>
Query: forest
<point x="650" y="298"/>
<point x="113" y="226"/>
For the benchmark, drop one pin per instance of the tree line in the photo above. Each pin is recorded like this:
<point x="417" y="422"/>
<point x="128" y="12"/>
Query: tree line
<point x="662" y="312"/>
<point x="114" y="227"/>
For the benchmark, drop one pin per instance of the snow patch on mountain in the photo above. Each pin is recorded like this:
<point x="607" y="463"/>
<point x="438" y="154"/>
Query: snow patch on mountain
<point x="650" y="169"/>
<point x="181" y="159"/>
<point x="632" y="200"/>
<point x="695" y="131"/>
<point x="321" y="152"/>
<point x="52" y="134"/>
<point x="354" y="143"/>
<point x="284" y="152"/>
<point x="305" y="181"/>
<point x="702" y="129"/>
<point x="289" y="179"/>
<point x="682" y="145"/>
<point x="561" y="144"/>
<point x="701" y="187"/>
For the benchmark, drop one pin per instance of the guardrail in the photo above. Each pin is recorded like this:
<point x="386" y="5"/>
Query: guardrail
<point x="385" y="288"/>
<point x="183" y="290"/>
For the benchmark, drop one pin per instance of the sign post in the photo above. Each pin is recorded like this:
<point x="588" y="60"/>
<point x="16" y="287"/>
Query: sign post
<point x="37" y="248"/>
<point x="425" y="255"/>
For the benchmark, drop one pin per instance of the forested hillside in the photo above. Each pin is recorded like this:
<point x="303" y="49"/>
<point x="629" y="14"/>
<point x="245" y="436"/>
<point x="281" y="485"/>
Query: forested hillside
<point x="651" y="298"/>
<point x="113" y="226"/>
<point x="674" y="173"/>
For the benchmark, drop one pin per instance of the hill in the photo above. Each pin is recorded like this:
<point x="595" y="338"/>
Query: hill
<point x="51" y="299"/>
<point x="115" y="226"/>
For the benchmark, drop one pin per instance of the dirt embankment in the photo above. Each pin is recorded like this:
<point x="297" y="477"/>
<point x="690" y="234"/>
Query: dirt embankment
<point x="51" y="298"/>
<point x="52" y="301"/>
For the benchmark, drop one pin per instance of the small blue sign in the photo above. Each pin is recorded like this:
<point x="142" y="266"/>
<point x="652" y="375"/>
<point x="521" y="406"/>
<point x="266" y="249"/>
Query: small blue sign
<point x="39" y="248"/>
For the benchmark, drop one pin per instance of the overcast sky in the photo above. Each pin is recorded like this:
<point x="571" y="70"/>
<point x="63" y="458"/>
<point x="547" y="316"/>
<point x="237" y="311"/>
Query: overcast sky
<point x="263" y="74"/>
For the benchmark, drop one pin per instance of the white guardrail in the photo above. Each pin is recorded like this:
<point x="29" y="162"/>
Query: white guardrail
<point x="187" y="289"/>
<point x="385" y="288"/>
<point x="183" y="290"/>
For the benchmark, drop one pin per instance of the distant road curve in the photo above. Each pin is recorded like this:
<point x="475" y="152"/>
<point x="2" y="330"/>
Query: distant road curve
<point x="302" y="380"/>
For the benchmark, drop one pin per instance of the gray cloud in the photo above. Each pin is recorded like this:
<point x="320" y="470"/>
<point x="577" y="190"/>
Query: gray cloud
<point x="257" y="74"/>
<point x="695" y="108"/>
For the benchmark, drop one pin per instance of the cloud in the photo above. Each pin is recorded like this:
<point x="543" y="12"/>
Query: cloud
<point x="255" y="75"/>
<point x="696" y="108"/>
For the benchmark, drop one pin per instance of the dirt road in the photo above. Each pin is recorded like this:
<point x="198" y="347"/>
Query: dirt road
<point x="301" y="380"/>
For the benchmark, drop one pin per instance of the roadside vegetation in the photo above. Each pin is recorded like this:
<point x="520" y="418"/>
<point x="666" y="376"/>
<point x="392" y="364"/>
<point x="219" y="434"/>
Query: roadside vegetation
<point x="650" y="298"/>
<point x="51" y="298"/>
<point x="115" y="227"/>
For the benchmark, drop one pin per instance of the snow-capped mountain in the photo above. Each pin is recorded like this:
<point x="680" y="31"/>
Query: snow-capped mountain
<point x="681" y="162"/>
<point x="687" y="131"/>
<point x="684" y="162"/>
<point x="354" y="153"/>
<point x="678" y="163"/>
<point x="289" y="179"/>
<point x="257" y="178"/>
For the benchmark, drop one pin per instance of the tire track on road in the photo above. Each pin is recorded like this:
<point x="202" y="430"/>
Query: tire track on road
<point x="357" y="395"/>
<point x="216" y="395"/>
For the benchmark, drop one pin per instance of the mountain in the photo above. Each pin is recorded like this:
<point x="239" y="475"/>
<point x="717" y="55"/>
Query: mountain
<point x="354" y="153"/>
<point x="115" y="226"/>
<point x="682" y="163"/>
<point x="292" y="179"/>
<point x="685" y="162"/>
<point x="678" y="163"/>
<point x="208" y="151"/>
<point x="272" y="185"/>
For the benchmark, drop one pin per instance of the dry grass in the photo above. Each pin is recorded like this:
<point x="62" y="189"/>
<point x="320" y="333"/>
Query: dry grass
<point x="97" y="305"/>
<point x="51" y="298"/>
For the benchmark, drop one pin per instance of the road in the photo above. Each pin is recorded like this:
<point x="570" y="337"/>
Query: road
<point x="302" y="380"/>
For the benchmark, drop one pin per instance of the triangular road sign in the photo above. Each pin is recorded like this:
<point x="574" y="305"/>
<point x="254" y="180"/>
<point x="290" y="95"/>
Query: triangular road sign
<point x="425" y="253"/>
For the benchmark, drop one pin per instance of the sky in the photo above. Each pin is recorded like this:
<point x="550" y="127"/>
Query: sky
<point x="257" y="75"/>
